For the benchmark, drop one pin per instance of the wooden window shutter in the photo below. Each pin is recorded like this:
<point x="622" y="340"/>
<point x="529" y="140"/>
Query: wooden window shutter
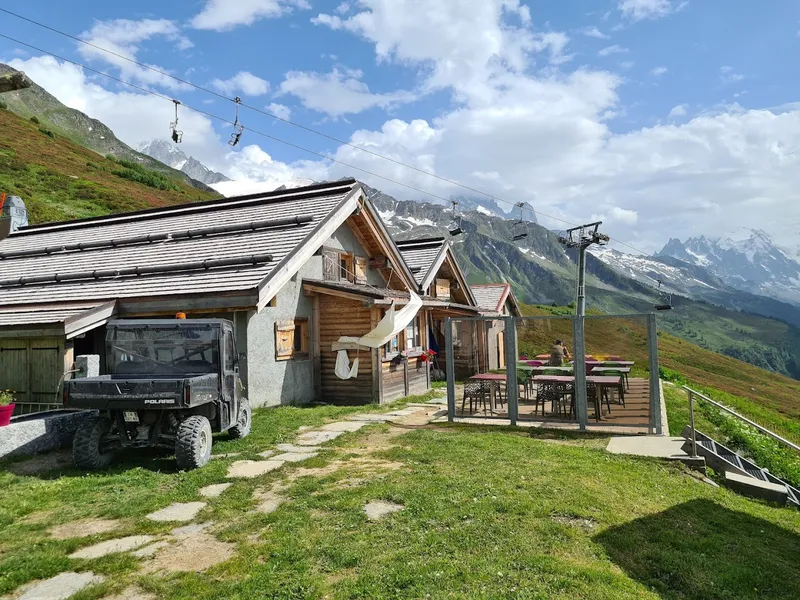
<point x="361" y="269"/>
<point x="442" y="288"/>
<point x="330" y="265"/>
<point x="284" y="339"/>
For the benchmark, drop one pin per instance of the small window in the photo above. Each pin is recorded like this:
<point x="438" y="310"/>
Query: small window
<point x="291" y="339"/>
<point x="230" y="359"/>
<point x="346" y="267"/>
<point x="412" y="335"/>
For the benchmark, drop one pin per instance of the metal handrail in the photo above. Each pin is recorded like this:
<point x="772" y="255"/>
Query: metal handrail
<point x="693" y="393"/>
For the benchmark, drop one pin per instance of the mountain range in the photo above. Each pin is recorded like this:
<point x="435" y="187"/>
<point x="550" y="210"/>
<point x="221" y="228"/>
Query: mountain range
<point x="748" y="260"/>
<point x="711" y="310"/>
<point x="172" y="156"/>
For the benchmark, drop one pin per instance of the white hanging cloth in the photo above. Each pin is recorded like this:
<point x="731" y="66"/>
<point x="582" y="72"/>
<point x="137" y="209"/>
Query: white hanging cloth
<point x="343" y="369"/>
<point x="392" y="323"/>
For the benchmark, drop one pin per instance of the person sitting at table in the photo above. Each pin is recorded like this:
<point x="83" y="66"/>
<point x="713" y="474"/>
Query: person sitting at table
<point x="558" y="353"/>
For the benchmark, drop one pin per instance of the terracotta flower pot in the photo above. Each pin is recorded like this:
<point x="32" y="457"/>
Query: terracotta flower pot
<point x="5" y="414"/>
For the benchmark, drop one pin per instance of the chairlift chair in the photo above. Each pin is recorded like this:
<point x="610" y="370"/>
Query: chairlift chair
<point x="238" y="129"/>
<point x="455" y="225"/>
<point x="177" y="135"/>
<point x="665" y="300"/>
<point x="518" y="230"/>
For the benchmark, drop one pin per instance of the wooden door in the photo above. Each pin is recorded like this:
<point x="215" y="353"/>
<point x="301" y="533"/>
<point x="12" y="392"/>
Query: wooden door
<point x="46" y="368"/>
<point x="14" y="367"/>
<point x="501" y="350"/>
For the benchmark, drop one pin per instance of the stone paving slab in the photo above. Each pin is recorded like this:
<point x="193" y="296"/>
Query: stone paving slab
<point x="266" y="453"/>
<point x="150" y="550"/>
<point x="112" y="546"/>
<point x="179" y="511"/>
<point x="315" y="438"/>
<point x="295" y="448"/>
<point x="61" y="587"/>
<point x="377" y="509"/>
<point x="371" y="417"/>
<point x="248" y="469"/>
<point x="215" y="490"/>
<point x="343" y="426"/>
<point x="647" y="445"/>
<point x="293" y="457"/>
<point x="191" y="529"/>
<point x="132" y="593"/>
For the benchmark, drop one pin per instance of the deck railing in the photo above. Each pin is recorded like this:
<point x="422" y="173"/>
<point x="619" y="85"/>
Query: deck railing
<point x="692" y="393"/>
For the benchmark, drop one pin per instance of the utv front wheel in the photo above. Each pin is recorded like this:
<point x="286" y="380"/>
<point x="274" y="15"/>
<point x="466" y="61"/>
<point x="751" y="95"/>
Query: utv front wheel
<point x="193" y="443"/>
<point x="243" y="423"/>
<point x="88" y="451"/>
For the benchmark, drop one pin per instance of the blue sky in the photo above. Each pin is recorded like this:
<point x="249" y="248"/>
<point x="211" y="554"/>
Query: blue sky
<point x="663" y="117"/>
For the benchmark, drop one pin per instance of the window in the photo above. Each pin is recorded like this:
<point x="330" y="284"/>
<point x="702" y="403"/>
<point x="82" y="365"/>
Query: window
<point x="412" y="335"/>
<point x="230" y="359"/>
<point x="392" y="346"/>
<point x="291" y="339"/>
<point x="346" y="268"/>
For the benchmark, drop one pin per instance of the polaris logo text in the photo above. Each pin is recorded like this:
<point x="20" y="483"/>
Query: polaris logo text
<point x="160" y="401"/>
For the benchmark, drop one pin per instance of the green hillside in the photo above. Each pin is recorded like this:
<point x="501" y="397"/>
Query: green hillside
<point x="59" y="179"/>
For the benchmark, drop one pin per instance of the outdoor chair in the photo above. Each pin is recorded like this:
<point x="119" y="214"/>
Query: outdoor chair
<point x="477" y="392"/>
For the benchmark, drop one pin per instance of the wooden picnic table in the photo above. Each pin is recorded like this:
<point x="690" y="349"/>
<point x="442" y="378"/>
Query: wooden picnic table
<point x="611" y="363"/>
<point x="565" y="369"/>
<point x="624" y="370"/>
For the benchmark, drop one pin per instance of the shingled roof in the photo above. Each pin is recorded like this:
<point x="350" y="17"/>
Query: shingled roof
<point x="204" y="248"/>
<point x="492" y="296"/>
<point x="422" y="256"/>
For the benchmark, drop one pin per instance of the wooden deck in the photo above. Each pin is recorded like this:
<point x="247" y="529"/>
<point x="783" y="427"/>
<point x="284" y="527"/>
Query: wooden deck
<point x="634" y="415"/>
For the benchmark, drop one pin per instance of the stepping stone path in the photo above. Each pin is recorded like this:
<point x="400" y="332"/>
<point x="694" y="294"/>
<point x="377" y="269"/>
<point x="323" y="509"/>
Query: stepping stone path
<point x="249" y="469"/>
<point x="315" y="438"/>
<point x="377" y="418"/>
<point x="266" y="453"/>
<point x="112" y="547"/>
<point x="377" y="509"/>
<point x="297" y="449"/>
<point x="215" y="490"/>
<point x="179" y="511"/>
<point x="269" y="500"/>
<point x="60" y="587"/>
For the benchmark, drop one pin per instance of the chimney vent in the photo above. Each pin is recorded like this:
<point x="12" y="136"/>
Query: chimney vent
<point x="13" y="215"/>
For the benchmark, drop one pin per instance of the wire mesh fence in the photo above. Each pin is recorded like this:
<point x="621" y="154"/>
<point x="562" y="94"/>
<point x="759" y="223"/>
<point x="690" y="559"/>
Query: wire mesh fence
<point x="564" y="371"/>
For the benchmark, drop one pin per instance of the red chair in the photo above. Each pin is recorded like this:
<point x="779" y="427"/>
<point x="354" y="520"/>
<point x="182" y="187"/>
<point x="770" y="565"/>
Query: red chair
<point x="534" y="363"/>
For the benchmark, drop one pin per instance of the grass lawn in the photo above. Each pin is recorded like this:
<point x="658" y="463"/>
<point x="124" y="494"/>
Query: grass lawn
<point x="489" y="513"/>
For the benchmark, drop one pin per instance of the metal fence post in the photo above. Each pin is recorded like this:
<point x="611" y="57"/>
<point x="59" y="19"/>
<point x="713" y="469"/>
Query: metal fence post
<point x="691" y="422"/>
<point x="655" y="388"/>
<point x="512" y="388"/>
<point x="579" y="368"/>
<point x="450" y="366"/>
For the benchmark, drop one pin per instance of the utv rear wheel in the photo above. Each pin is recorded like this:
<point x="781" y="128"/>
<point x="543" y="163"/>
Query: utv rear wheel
<point x="88" y="451"/>
<point x="193" y="443"/>
<point x="243" y="423"/>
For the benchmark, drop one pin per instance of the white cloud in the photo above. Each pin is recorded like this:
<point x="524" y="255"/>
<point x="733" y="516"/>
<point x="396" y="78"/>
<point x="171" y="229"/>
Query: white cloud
<point x="244" y="82"/>
<point x="729" y="75"/>
<point x="638" y="10"/>
<point x="594" y="32"/>
<point x="677" y="111"/>
<point x="623" y="215"/>
<point x="609" y="50"/>
<point x="123" y="37"/>
<point x="224" y="15"/>
<point x="280" y="110"/>
<point x="338" y="93"/>
<point x="659" y="71"/>
<point x="627" y="64"/>
<point x="553" y="42"/>
<point x="544" y="132"/>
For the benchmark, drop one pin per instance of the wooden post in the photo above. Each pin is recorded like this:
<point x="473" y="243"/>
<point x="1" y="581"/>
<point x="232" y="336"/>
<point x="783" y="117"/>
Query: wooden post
<point x="377" y="371"/>
<point x="316" y="350"/>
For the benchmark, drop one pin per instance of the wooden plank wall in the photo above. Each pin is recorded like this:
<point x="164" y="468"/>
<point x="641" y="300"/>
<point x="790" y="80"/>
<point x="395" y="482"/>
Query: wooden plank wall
<point x="393" y="380"/>
<point x="338" y="317"/>
<point x="33" y="367"/>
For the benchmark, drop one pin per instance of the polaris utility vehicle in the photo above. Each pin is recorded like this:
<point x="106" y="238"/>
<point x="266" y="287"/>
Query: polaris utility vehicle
<point x="170" y="384"/>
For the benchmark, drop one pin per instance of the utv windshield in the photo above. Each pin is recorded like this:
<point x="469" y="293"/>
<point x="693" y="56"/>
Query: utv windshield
<point x="150" y="350"/>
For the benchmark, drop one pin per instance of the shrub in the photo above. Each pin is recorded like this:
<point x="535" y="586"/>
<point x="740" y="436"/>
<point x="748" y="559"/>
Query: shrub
<point x="3" y="105"/>
<point x="138" y="173"/>
<point x="7" y="397"/>
<point x="47" y="132"/>
<point x="35" y="120"/>
<point x="671" y="375"/>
